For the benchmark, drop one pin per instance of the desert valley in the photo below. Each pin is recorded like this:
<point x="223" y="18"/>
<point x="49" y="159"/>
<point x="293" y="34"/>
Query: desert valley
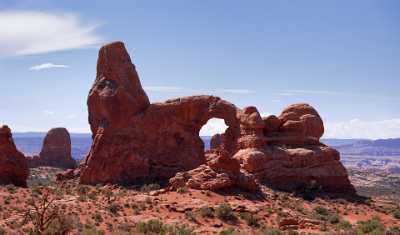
<point x="145" y="169"/>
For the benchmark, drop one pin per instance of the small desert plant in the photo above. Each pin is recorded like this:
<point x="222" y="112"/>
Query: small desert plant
<point x="153" y="226"/>
<point x="90" y="229"/>
<point x="344" y="224"/>
<point x="180" y="229"/>
<point x="396" y="214"/>
<point x="228" y="231"/>
<point x="42" y="211"/>
<point x="60" y="226"/>
<point x="109" y="194"/>
<point x="250" y="219"/>
<point x="182" y="190"/>
<point x="373" y="225"/>
<point x="97" y="217"/>
<point x="321" y="210"/>
<point x="11" y="188"/>
<point x="224" y="212"/>
<point x="189" y="215"/>
<point x="114" y="208"/>
<point x="333" y="218"/>
<point x="206" y="212"/>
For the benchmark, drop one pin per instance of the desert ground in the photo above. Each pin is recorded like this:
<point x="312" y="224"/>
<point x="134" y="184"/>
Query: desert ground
<point x="67" y="207"/>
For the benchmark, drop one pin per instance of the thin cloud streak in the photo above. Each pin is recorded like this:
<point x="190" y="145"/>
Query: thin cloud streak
<point x="46" y="66"/>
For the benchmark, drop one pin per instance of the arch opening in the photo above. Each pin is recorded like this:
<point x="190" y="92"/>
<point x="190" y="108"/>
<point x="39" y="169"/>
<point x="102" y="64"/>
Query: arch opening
<point x="212" y="127"/>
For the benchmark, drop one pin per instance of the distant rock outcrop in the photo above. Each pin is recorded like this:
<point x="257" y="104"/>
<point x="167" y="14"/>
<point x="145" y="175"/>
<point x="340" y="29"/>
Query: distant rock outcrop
<point x="56" y="151"/>
<point x="13" y="165"/>
<point x="136" y="140"/>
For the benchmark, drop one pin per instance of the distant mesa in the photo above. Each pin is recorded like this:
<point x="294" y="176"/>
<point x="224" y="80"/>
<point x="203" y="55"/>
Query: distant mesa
<point x="135" y="140"/>
<point x="56" y="151"/>
<point x="13" y="165"/>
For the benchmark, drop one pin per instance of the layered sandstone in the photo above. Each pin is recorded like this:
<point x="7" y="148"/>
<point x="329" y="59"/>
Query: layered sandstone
<point x="56" y="150"/>
<point x="134" y="139"/>
<point x="13" y="165"/>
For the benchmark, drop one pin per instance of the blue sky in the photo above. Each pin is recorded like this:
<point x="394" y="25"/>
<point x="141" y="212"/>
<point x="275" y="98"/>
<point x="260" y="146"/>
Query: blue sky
<point x="343" y="57"/>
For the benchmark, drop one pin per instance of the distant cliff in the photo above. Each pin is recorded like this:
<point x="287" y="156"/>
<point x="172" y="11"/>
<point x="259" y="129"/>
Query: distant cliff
<point x="381" y="147"/>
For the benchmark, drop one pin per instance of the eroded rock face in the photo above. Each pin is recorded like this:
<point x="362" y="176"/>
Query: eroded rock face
<point x="13" y="165"/>
<point x="56" y="150"/>
<point x="134" y="139"/>
<point x="145" y="140"/>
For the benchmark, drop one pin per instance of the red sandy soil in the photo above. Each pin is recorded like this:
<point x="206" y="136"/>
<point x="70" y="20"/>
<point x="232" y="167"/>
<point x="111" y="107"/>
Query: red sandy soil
<point x="117" y="210"/>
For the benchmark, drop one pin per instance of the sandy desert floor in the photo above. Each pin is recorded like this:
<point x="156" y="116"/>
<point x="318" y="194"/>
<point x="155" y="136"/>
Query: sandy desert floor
<point x="69" y="208"/>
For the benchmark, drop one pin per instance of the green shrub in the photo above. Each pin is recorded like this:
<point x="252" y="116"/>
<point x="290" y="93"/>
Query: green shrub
<point x="59" y="226"/>
<point x="190" y="216"/>
<point x="90" y="229"/>
<point x="250" y="219"/>
<point x="333" y="218"/>
<point x="206" y="212"/>
<point x="113" y="208"/>
<point x="182" y="190"/>
<point x="396" y="214"/>
<point x="153" y="226"/>
<point x="228" y="231"/>
<point x="180" y="229"/>
<point x="321" y="211"/>
<point x="224" y="212"/>
<point x="373" y="225"/>
<point x="97" y="217"/>
<point x="344" y="224"/>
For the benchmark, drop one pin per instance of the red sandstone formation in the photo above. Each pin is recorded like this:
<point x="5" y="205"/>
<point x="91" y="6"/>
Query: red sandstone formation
<point x="56" y="150"/>
<point x="13" y="165"/>
<point x="134" y="139"/>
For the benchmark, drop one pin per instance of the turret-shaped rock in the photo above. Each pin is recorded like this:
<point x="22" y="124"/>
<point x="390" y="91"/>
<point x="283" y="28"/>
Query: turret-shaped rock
<point x="117" y="93"/>
<point x="13" y="165"/>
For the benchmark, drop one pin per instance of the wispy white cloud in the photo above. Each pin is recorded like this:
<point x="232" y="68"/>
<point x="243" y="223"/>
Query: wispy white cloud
<point x="35" y="32"/>
<point x="47" y="66"/>
<point x="236" y="91"/>
<point x="163" y="88"/>
<point x="357" y="128"/>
